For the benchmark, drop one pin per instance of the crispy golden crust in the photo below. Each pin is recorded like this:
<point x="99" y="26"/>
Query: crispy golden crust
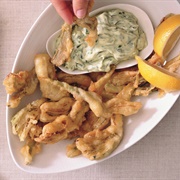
<point x="19" y="85"/>
<point x="89" y="111"/>
<point x="98" y="144"/>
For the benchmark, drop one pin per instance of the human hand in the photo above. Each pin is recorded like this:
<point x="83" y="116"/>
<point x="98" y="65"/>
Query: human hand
<point x="67" y="9"/>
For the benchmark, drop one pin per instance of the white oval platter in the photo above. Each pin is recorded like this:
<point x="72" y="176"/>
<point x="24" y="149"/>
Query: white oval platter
<point x="53" y="158"/>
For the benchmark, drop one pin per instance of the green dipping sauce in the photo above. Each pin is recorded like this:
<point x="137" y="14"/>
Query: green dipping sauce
<point x="120" y="38"/>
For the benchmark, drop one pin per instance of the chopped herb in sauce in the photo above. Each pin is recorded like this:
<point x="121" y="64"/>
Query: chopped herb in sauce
<point x="120" y="38"/>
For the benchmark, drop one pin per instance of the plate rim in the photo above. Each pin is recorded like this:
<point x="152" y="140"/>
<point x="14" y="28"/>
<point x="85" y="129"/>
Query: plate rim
<point x="30" y="170"/>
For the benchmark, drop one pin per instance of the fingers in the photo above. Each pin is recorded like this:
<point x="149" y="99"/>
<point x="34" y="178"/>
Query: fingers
<point x="80" y="8"/>
<point x="64" y="9"/>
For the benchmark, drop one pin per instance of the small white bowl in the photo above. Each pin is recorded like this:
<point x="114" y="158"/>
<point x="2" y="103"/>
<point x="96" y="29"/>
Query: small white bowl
<point x="143" y="20"/>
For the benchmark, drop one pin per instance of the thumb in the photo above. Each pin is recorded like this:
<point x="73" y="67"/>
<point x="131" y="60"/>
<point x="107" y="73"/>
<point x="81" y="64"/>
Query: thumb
<point x="80" y="8"/>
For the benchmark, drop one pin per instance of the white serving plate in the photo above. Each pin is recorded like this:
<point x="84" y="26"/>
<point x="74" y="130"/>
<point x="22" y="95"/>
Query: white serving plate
<point x="53" y="158"/>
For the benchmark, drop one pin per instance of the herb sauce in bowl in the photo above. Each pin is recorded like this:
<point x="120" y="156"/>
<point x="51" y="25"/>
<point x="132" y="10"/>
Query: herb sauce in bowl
<point x="120" y="38"/>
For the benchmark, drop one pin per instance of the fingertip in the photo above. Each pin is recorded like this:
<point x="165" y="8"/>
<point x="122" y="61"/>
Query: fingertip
<point x="64" y="9"/>
<point x="81" y="13"/>
<point x="80" y="8"/>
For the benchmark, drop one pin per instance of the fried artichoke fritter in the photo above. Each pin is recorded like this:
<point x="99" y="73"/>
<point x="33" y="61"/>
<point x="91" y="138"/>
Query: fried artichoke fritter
<point x="63" y="125"/>
<point x="56" y="130"/>
<point x="98" y="144"/>
<point x="51" y="110"/>
<point x="65" y="47"/>
<point x="29" y="150"/>
<point x="83" y="81"/>
<point x="45" y="73"/>
<point x="19" y="85"/>
<point x="72" y="150"/>
<point x="121" y="104"/>
<point x="24" y="121"/>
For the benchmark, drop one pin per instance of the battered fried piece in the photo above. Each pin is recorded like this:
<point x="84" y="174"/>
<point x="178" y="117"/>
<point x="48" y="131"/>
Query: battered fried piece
<point x="89" y="124"/>
<point x="144" y="91"/>
<point x="19" y="85"/>
<point x="98" y="86"/>
<point x="43" y="67"/>
<point x="98" y="144"/>
<point x="72" y="150"/>
<point x="63" y="125"/>
<point x="90" y="23"/>
<point x="92" y="98"/>
<point x="77" y="113"/>
<point x="81" y="80"/>
<point x="65" y="47"/>
<point x="173" y="64"/>
<point x="27" y="118"/>
<point x="93" y="122"/>
<point x="56" y="130"/>
<point x="15" y="82"/>
<point x="121" y="104"/>
<point x="46" y="73"/>
<point x="30" y="150"/>
<point x="51" y="110"/>
<point x="155" y="59"/>
<point x="90" y="6"/>
<point x="119" y="80"/>
<point x="51" y="91"/>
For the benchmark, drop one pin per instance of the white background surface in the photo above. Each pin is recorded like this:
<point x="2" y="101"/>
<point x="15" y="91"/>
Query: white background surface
<point x="156" y="156"/>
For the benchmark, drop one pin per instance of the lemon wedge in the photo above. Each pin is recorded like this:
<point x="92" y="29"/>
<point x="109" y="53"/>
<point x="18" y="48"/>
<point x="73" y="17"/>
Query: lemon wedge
<point x="157" y="76"/>
<point x="166" y="36"/>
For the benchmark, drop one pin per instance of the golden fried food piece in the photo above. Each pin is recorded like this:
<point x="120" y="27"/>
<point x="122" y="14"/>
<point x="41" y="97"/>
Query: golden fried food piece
<point x="92" y="98"/>
<point x="99" y="85"/>
<point x="90" y="23"/>
<point x="15" y="82"/>
<point x="81" y="80"/>
<point x="51" y="110"/>
<point x="78" y="117"/>
<point x="119" y="79"/>
<point x="56" y="130"/>
<point x="51" y="91"/>
<point x="19" y="85"/>
<point x="88" y="125"/>
<point x="90" y="6"/>
<point x="92" y="122"/>
<point x="98" y="144"/>
<point x="121" y="104"/>
<point x="63" y="125"/>
<point x="29" y="150"/>
<point x="144" y="90"/>
<point x="173" y="64"/>
<point x="77" y="113"/>
<point x="72" y="150"/>
<point x="65" y="47"/>
<point x="155" y="59"/>
<point x="43" y="67"/>
<point x="46" y="73"/>
<point x="27" y="118"/>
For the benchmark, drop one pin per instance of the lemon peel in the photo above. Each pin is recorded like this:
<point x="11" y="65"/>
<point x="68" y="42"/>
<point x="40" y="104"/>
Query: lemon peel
<point x="158" y="76"/>
<point x="166" y="36"/>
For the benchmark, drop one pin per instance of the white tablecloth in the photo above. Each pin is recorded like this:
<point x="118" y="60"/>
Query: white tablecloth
<point x="155" y="157"/>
